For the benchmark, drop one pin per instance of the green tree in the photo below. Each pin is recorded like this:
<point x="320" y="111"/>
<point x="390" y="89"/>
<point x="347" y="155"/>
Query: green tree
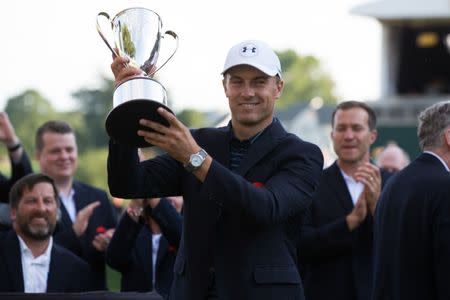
<point x="27" y="111"/>
<point x="192" y="118"/>
<point x="92" y="167"/>
<point x="95" y="105"/>
<point x="76" y="119"/>
<point x="304" y="80"/>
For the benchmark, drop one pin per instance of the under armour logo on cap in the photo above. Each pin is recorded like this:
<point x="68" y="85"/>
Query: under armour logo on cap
<point x="249" y="50"/>
<point x="256" y="54"/>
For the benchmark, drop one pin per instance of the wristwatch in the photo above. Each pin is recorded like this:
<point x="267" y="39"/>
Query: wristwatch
<point x="196" y="160"/>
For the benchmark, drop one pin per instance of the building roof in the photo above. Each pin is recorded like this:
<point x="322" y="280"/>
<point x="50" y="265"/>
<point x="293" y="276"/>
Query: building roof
<point x="404" y="9"/>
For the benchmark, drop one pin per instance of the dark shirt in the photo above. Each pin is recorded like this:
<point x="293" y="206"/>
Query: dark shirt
<point x="238" y="149"/>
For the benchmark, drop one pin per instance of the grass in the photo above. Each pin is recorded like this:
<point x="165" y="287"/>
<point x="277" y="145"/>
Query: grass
<point x="113" y="279"/>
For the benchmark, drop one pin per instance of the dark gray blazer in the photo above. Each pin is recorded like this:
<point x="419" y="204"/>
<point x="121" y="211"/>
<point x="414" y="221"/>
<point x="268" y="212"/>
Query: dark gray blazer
<point x="67" y="272"/>
<point x="130" y="251"/>
<point x="334" y="262"/>
<point x="242" y="223"/>
<point x="103" y="216"/>
<point x="412" y="234"/>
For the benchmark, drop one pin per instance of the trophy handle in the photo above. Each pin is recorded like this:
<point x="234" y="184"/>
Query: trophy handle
<point x="99" y="29"/>
<point x="175" y="37"/>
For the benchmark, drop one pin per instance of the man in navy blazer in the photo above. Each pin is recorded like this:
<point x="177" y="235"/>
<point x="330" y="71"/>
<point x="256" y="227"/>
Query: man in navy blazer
<point x="412" y="222"/>
<point x="142" y="235"/>
<point x="30" y="261"/>
<point x="244" y="185"/>
<point x="336" y="240"/>
<point x="87" y="218"/>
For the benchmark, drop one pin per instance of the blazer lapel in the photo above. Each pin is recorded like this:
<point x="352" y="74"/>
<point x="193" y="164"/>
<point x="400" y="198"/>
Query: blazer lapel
<point x="263" y="145"/>
<point x="337" y="183"/>
<point x="79" y="200"/>
<point x="219" y="146"/>
<point x="80" y="197"/>
<point x="65" y="219"/>
<point x="14" y="261"/>
<point x="53" y="282"/>
<point x="162" y="251"/>
<point x="145" y="246"/>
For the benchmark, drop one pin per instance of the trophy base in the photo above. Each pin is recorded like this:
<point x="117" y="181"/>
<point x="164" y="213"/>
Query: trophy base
<point x="122" y="123"/>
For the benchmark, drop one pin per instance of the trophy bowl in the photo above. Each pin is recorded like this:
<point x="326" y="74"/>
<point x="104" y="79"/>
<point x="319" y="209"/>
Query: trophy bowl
<point x="137" y="34"/>
<point x="134" y="99"/>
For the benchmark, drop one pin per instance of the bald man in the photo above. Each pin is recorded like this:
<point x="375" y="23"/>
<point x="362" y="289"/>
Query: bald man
<point x="392" y="158"/>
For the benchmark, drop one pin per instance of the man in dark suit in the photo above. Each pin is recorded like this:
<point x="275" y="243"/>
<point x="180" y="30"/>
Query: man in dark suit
<point x="336" y="241"/>
<point x="243" y="185"/>
<point x="87" y="216"/>
<point x="149" y="229"/>
<point x="412" y="223"/>
<point x="30" y="261"/>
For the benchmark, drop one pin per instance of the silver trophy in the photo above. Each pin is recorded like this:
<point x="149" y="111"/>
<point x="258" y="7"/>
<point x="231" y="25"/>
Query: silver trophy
<point x="136" y="33"/>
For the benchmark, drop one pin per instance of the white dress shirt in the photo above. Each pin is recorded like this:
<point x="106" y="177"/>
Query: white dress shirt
<point x="155" y="246"/>
<point x="354" y="187"/>
<point x="69" y="204"/>
<point x="35" y="269"/>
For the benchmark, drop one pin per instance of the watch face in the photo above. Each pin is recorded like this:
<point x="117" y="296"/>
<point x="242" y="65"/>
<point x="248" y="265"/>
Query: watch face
<point x="196" y="160"/>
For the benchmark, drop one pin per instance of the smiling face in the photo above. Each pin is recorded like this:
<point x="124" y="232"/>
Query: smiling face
<point x="58" y="156"/>
<point x="36" y="213"/>
<point x="251" y="95"/>
<point x="352" y="136"/>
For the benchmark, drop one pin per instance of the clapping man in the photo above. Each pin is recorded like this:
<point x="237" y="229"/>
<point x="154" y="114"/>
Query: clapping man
<point x="87" y="216"/>
<point x="336" y="240"/>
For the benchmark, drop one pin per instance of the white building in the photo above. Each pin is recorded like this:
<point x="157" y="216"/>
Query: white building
<point x="415" y="56"/>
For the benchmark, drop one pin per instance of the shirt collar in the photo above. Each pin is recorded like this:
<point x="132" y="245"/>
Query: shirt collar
<point x="438" y="157"/>
<point x="69" y="196"/>
<point x="43" y="259"/>
<point x="349" y="179"/>
<point x="252" y="139"/>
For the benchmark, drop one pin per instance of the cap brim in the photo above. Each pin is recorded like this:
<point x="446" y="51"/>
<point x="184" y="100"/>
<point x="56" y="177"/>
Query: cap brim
<point x="265" y="70"/>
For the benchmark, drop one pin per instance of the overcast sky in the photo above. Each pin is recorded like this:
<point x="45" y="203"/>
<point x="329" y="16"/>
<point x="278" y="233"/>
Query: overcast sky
<point x="53" y="45"/>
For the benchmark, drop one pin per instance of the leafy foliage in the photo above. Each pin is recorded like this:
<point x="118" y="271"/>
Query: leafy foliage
<point x="27" y="111"/>
<point x="92" y="168"/>
<point x="304" y="80"/>
<point x="192" y="118"/>
<point x="95" y="105"/>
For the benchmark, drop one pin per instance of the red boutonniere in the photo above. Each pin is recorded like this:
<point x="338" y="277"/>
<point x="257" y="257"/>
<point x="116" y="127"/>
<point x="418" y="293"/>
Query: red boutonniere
<point x="172" y="249"/>
<point x="100" y="229"/>
<point x="258" y="184"/>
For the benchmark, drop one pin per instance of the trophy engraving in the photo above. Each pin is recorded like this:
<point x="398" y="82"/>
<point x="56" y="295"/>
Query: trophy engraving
<point x="136" y="33"/>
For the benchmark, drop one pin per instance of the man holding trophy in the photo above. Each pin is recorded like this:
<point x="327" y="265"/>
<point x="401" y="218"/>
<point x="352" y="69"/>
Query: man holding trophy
<point x="244" y="185"/>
